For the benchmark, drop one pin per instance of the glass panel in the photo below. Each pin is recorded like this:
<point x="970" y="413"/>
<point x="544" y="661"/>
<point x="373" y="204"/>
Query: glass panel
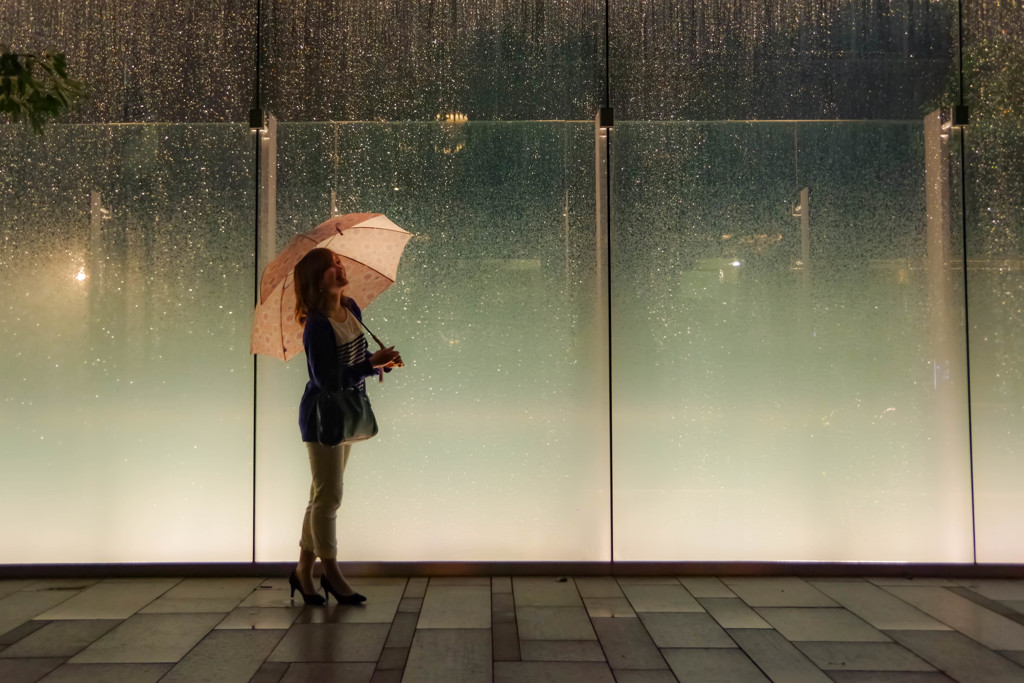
<point x="994" y="60"/>
<point x="493" y="442"/>
<point x="396" y="60"/>
<point x="776" y="401"/>
<point x="126" y="427"/>
<point x="187" y="60"/>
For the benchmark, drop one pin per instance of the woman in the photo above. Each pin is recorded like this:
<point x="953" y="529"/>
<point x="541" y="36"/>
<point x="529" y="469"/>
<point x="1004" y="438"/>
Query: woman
<point x="336" y="352"/>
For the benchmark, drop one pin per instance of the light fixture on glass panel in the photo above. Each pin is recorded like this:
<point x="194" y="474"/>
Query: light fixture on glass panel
<point x="953" y="117"/>
<point x="257" y="121"/>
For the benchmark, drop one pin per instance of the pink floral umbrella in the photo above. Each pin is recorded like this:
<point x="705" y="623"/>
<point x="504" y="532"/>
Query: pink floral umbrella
<point x="370" y="246"/>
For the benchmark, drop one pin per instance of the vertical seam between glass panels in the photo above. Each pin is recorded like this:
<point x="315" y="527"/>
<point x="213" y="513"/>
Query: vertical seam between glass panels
<point x="963" y="228"/>
<point x="256" y="260"/>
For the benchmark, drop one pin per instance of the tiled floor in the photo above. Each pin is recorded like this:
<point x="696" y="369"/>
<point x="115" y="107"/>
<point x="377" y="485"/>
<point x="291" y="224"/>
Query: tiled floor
<point x="516" y="630"/>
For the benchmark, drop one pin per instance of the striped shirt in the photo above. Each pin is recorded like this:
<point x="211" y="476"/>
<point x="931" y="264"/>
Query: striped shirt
<point x="352" y="345"/>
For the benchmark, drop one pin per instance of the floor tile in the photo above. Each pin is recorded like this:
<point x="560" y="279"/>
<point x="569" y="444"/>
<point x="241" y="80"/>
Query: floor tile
<point x="460" y="581"/>
<point x="554" y="623"/>
<point x="863" y="657"/>
<point x="60" y="638"/>
<point x="149" y="638"/>
<point x="706" y="587"/>
<point x="165" y="605"/>
<point x="109" y="600"/>
<point x="107" y="673"/>
<point x="644" y="676"/>
<point x="387" y="676"/>
<point x="410" y="605"/>
<point x="11" y="586"/>
<point x="225" y="657"/>
<point x="820" y="623"/>
<point x="456" y="607"/>
<point x="501" y="584"/>
<point x="416" y="587"/>
<point x="561" y="651"/>
<point x="380" y="608"/>
<point x="732" y="613"/>
<point x="777" y="657"/>
<point x="713" y="666"/>
<point x="988" y="628"/>
<point x="18" y="608"/>
<point x="598" y="587"/>
<point x="627" y="644"/>
<point x="266" y="596"/>
<point x="1016" y="657"/>
<point x="19" y="632"/>
<point x="399" y="582"/>
<point x="505" y="644"/>
<point x="503" y="608"/>
<point x="462" y="655"/>
<point x="660" y="598"/>
<point x="959" y="657"/>
<point x="996" y="589"/>
<point x="260" y="618"/>
<point x="403" y="628"/>
<point x="393" y="658"/>
<point x="647" y="580"/>
<point x="331" y="643"/>
<point x="608" y="607"/>
<point x="777" y="592"/>
<point x="878" y="607"/>
<point x="61" y="584"/>
<point x="270" y="672"/>
<point x="888" y="677"/>
<point x="27" y="670"/>
<point x="544" y="591"/>
<point x="685" y="629"/>
<point x="328" y="673"/>
<point x="552" y="672"/>
<point x="213" y="589"/>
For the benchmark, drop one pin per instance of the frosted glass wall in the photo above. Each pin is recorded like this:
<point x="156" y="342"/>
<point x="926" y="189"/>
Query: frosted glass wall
<point x="802" y="394"/>
<point x="494" y="437"/>
<point x="994" y="57"/>
<point x="784" y="409"/>
<point x="787" y="250"/>
<point x="127" y="268"/>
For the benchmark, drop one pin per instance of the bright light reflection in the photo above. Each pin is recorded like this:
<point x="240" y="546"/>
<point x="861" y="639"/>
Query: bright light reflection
<point x="81" y="275"/>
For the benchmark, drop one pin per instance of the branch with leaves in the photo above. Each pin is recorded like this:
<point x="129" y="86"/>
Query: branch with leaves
<point x="36" y="88"/>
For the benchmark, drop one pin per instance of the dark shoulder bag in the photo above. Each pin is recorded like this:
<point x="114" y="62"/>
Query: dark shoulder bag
<point x="344" y="416"/>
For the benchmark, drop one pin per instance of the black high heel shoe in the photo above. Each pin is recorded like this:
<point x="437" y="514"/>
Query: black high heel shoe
<point x="354" y="599"/>
<point x="313" y="598"/>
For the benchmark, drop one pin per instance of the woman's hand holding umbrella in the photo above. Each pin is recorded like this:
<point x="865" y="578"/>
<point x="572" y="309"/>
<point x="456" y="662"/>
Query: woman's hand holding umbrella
<point x="386" y="358"/>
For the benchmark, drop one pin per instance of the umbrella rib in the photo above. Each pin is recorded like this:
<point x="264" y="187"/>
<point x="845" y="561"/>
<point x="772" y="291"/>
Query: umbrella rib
<point x="284" y="351"/>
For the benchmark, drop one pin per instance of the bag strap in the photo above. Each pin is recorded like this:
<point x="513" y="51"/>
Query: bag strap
<point x="360" y="321"/>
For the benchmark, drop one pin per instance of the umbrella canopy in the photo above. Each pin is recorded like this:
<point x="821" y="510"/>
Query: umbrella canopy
<point x="370" y="246"/>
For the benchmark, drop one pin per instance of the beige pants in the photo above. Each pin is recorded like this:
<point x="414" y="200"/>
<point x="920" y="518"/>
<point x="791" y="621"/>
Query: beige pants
<point x="327" y="465"/>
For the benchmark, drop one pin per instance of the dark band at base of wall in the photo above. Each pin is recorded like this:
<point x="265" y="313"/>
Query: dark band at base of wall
<point x="395" y="569"/>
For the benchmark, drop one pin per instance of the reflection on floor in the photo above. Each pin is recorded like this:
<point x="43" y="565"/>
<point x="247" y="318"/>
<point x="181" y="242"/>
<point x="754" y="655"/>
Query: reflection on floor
<point x="516" y="629"/>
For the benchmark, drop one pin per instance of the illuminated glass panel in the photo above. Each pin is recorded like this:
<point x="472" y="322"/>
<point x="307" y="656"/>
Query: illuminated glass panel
<point x="772" y="402"/>
<point x="127" y="268"/>
<point x="494" y="437"/>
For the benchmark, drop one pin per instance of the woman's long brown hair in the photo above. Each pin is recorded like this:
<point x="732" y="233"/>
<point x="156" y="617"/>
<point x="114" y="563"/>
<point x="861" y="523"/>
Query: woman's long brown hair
<point x="309" y="272"/>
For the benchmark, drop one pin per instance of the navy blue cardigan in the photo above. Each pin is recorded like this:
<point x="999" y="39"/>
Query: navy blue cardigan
<point x="322" y="363"/>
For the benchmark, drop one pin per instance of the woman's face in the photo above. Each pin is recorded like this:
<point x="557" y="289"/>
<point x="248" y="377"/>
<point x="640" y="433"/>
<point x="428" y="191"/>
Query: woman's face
<point x="334" y="277"/>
